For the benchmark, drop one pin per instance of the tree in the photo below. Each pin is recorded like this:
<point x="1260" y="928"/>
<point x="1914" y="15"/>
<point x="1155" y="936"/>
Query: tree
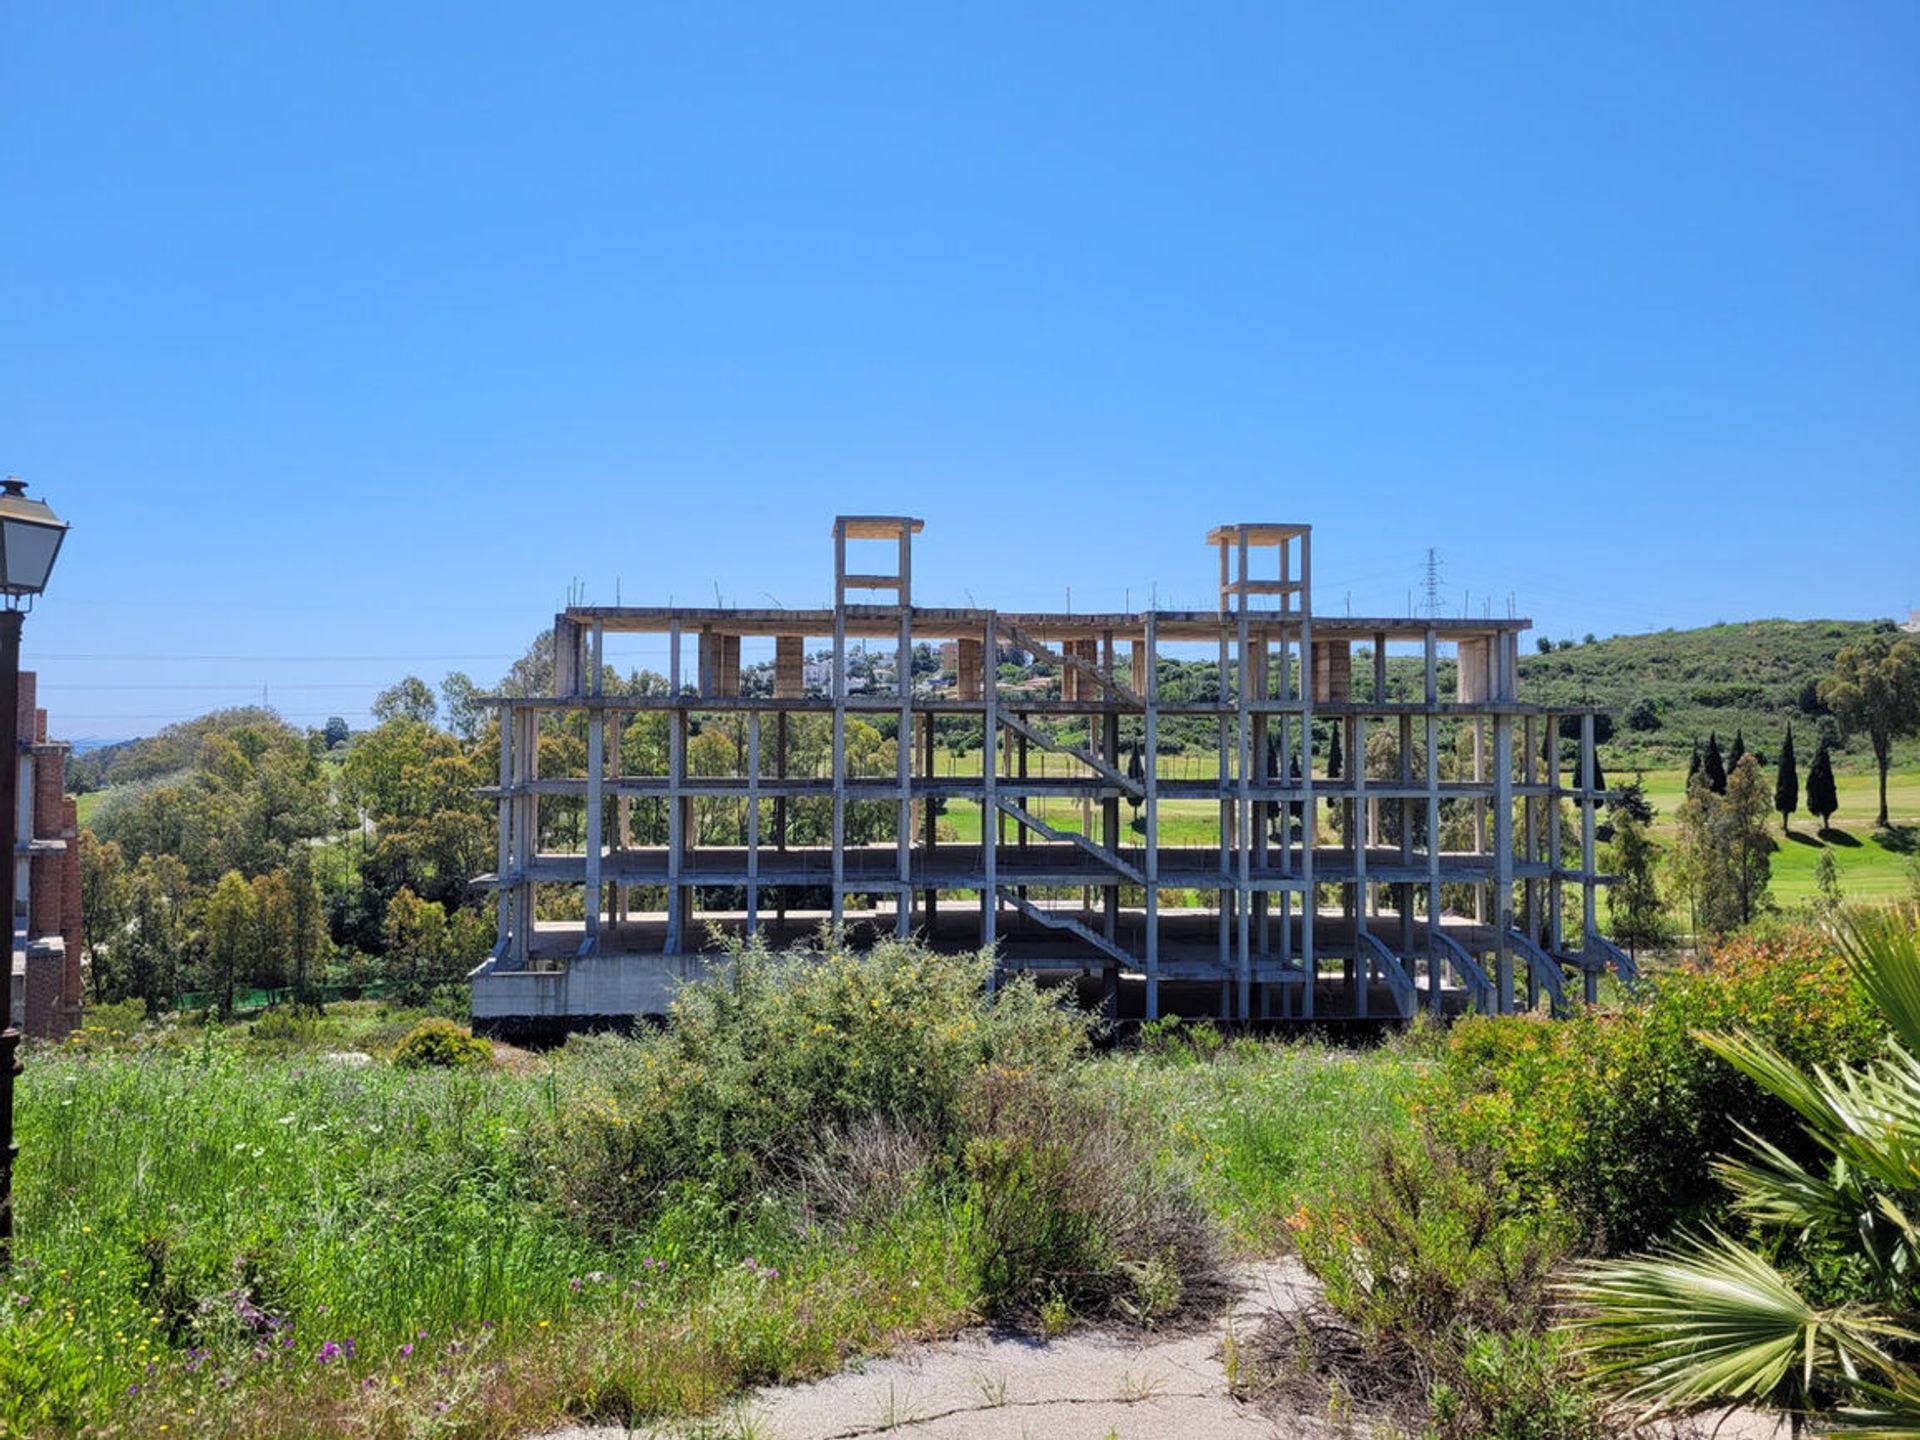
<point x="1693" y="765"/>
<point x="1643" y="714"/>
<point x="1137" y="773"/>
<point x="459" y="698"/>
<point x="415" y="934"/>
<point x="1721" y="861"/>
<point x="1786" y="784"/>
<point x="229" y="936"/>
<point x="411" y="699"/>
<point x="156" y="929"/>
<point x="1714" y="767"/>
<point x="1826" y="884"/>
<point x="336" y="732"/>
<point x="1739" y="749"/>
<point x="1822" y="797"/>
<point x="103" y="904"/>
<point x="1875" y="686"/>
<point x="1743" y="836"/>
<point x="1544" y="645"/>
<point x="272" y="930"/>
<point x="307" y="941"/>
<point x="1634" y="906"/>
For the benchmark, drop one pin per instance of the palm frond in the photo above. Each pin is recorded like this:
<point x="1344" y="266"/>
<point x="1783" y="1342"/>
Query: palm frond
<point x="1881" y="1412"/>
<point x="1880" y="946"/>
<point x="1770" y="1186"/>
<point x="1677" y="1330"/>
<point x="1868" y="1117"/>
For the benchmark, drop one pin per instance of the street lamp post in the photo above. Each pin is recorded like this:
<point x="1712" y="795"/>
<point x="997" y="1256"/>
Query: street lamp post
<point x="30" y="536"/>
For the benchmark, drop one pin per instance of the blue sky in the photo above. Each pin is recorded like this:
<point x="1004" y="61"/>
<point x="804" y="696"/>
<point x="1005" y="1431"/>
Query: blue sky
<point x="349" y="335"/>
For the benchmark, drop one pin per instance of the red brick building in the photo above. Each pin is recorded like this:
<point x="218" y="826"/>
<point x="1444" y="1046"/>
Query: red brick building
<point x="48" y="975"/>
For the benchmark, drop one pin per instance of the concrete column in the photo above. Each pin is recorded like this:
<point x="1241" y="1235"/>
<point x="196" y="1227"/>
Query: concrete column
<point x="1555" y="894"/>
<point x="753" y="822"/>
<point x="1309" y="810"/>
<point x="595" y="895"/>
<point x="1243" y="807"/>
<point x="1436" y="964"/>
<point x="503" y="922"/>
<point x="1146" y="654"/>
<point x="990" y="794"/>
<point x="1503" y="851"/>
<point x="1360" y="837"/>
<point x="676" y="778"/>
<point x="968" y="669"/>
<point x="789" y="667"/>
<point x="1588" y="868"/>
<point x="839" y="858"/>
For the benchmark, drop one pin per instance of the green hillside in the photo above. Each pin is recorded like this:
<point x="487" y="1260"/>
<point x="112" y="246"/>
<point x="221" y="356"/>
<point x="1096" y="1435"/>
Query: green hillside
<point x="1755" y="677"/>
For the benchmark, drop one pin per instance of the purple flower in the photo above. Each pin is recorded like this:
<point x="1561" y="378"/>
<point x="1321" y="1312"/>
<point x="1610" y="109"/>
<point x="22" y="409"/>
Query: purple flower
<point x="328" y="1353"/>
<point x="406" y="1350"/>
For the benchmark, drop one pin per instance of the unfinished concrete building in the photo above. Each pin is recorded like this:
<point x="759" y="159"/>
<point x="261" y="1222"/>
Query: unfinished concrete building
<point x="1167" y="835"/>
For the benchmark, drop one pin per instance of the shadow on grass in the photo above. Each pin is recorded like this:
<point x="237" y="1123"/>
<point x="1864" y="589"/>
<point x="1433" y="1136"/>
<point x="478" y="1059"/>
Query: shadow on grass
<point x="1800" y="837"/>
<point x="1841" y="838"/>
<point x="1900" y="839"/>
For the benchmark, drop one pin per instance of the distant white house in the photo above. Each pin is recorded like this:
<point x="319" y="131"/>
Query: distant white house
<point x="1913" y="622"/>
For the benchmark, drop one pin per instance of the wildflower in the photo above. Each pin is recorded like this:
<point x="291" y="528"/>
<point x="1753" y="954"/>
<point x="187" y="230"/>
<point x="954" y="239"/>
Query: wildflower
<point x="406" y="1350"/>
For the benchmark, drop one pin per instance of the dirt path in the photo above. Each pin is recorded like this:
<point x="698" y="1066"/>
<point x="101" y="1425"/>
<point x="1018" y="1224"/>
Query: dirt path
<point x="991" y="1386"/>
<point x="1085" y="1385"/>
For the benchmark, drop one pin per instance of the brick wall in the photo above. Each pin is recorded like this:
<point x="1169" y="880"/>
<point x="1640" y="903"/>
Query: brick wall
<point x="54" y="975"/>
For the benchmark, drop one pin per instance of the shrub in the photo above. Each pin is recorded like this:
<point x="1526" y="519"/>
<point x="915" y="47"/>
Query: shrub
<point x="1643" y="714"/>
<point x="759" y="1067"/>
<point x="1171" y="1039"/>
<point x="1448" y="1287"/>
<point x="439" y="1042"/>
<point x="1613" y="1119"/>
<point x="1069" y="1211"/>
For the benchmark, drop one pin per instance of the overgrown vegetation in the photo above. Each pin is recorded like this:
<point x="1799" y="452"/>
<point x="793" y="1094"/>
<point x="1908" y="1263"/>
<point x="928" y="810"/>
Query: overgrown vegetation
<point x="236" y="1229"/>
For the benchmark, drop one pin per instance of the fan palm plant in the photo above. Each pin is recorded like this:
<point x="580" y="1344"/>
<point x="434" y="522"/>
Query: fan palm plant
<point x="1713" y="1320"/>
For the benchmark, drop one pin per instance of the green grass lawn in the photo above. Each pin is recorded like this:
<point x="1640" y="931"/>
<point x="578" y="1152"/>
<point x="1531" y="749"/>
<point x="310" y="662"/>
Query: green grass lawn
<point x="1867" y="868"/>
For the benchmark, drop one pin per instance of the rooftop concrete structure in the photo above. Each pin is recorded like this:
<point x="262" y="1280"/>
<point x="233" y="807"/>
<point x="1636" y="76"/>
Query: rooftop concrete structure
<point x="1454" y="869"/>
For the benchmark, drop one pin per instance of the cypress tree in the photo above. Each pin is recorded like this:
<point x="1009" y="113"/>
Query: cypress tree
<point x="1786" y="784"/>
<point x="1335" y="760"/>
<point x="1714" y="767"/>
<point x="1693" y="765"/>
<point x="1739" y="749"/>
<point x="1822" y="798"/>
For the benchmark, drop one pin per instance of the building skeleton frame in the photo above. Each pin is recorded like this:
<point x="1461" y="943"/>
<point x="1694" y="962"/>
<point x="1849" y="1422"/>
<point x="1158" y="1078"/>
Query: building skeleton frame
<point x="1087" y="902"/>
